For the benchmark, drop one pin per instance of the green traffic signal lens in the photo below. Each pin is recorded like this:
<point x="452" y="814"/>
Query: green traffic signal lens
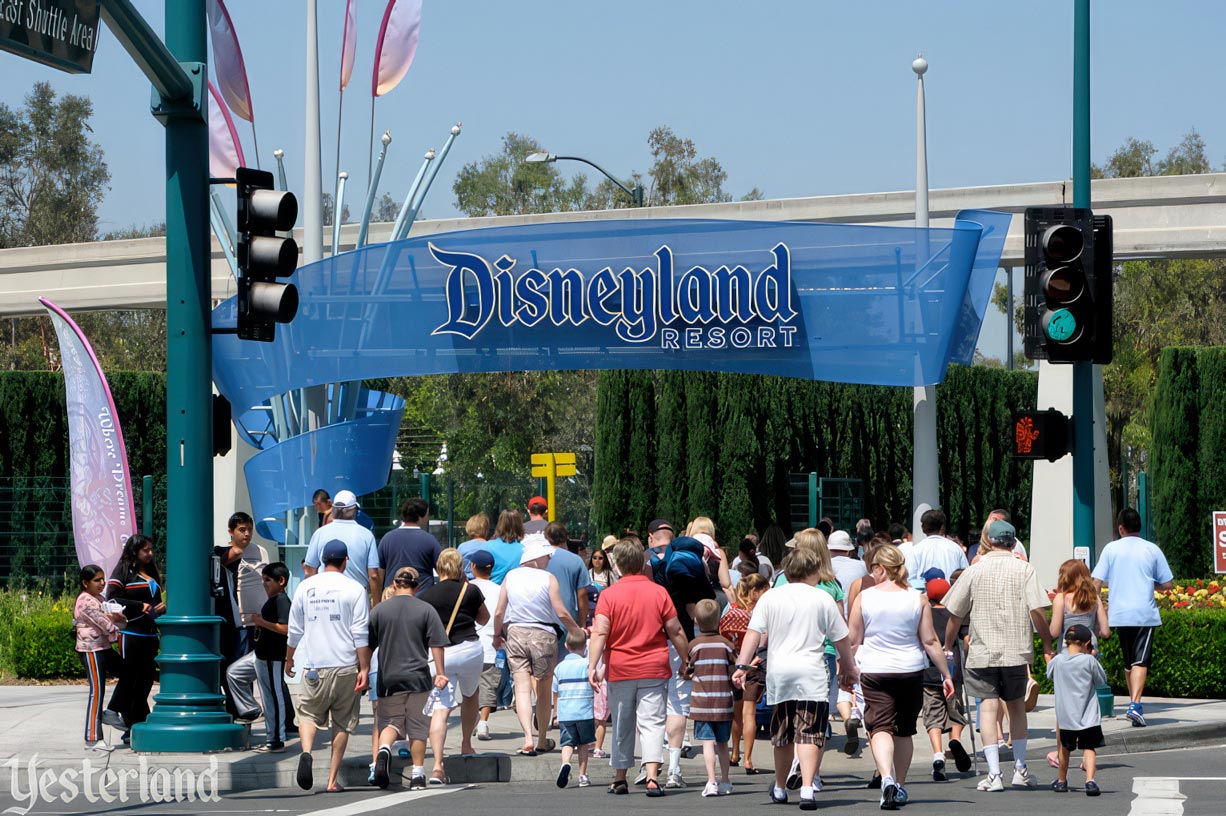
<point x="1061" y="325"/>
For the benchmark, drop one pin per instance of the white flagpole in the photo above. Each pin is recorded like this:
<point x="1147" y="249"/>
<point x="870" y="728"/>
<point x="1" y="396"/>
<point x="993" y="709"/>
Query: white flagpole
<point x="312" y="187"/>
<point x="925" y="480"/>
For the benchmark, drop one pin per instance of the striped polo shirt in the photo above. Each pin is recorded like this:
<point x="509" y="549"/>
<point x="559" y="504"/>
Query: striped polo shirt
<point x="710" y="664"/>
<point x="576" y="698"/>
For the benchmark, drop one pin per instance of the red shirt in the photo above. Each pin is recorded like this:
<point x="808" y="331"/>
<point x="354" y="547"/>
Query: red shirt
<point x="637" y="648"/>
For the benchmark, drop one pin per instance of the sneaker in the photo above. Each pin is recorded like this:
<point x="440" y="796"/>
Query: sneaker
<point x="248" y="717"/>
<point x="114" y="719"/>
<point x="1022" y="778"/>
<point x="687" y="751"/>
<point x="584" y="782"/>
<point x="1059" y="785"/>
<point x="794" y="780"/>
<point x="100" y="746"/>
<point x="483" y="731"/>
<point x="902" y="797"/>
<point x="992" y="783"/>
<point x="417" y="782"/>
<point x="962" y="760"/>
<point x="875" y="782"/>
<point x="711" y="789"/>
<point x="938" y="770"/>
<point x="779" y="796"/>
<point x="276" y="747"/>
<point x="1032" y="695"/>
<point x="600" y="754"/>
<point x="889" y="797"/>
<point x="853" y="737"/>
<point x="564" y="775"/>
<point x="725" y="788"/>
<point x="304" y="777"/>
<point x="675" y="779"/>
<point x="370" y="777"/>
<point x="383" y="761"/>
<point x="817" y="783"/>
<point x="1135" y="713"/>
<point x="808" y="804"/>
<point x="1092" y="788"/>
<point x="641" y="779"/>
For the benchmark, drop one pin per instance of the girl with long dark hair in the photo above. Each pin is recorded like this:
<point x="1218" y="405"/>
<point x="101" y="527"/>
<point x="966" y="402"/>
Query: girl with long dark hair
<point x="136" y="585"/>
<point x="96" y="630"/>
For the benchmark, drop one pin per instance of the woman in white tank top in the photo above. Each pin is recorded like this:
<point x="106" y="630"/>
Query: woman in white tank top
<point x="892" y="639"/>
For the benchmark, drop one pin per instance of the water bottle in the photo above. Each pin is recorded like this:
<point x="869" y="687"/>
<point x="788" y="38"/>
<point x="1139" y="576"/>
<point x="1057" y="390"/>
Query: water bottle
<point x="500" y="659"/>
<point x="428" y="708"/>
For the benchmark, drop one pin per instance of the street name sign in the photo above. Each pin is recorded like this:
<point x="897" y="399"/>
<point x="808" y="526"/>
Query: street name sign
<point x="59" y="33"/>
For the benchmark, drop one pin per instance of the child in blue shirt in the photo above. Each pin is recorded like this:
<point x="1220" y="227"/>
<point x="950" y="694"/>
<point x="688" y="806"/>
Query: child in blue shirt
<point x="576" y="707"/>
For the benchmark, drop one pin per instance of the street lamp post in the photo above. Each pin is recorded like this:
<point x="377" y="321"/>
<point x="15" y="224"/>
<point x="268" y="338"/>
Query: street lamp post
<point x="635" y="193"/>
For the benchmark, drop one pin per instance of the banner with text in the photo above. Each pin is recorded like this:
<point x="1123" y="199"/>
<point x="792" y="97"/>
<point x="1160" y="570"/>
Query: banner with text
<point x="103" y="515"/>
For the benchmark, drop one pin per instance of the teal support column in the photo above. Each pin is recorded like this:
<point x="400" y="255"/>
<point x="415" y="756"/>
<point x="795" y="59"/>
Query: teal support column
<point x="189" y="714"/>
<point x="425" y="489"/>
<point x="146" y="516"/>
<point x="1083" y="373"/>
<point x="1143" y="505"/>
<point x="813" y="500"/>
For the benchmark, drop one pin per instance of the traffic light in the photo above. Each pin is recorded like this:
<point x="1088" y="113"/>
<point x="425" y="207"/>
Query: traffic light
<point x="264" y="256"/>
<point x="1068" y="285"/>
<point x="1041" y="435"/>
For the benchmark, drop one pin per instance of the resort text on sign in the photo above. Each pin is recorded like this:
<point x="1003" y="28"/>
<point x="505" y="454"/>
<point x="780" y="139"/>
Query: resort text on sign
<point x="59" y="33"/>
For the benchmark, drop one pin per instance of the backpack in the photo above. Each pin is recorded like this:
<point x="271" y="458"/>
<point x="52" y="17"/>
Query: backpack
<point x="682" y="559"/>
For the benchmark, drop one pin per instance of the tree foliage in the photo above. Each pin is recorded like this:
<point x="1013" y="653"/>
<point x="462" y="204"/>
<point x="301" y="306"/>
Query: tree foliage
<point x="52" y="175"/>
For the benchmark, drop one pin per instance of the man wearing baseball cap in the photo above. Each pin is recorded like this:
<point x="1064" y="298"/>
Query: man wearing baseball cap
<point x="329" y="617"/>
<point x="537" y="508"/>
<point x="1002" y="598"/>
<point x="363" y="562"/>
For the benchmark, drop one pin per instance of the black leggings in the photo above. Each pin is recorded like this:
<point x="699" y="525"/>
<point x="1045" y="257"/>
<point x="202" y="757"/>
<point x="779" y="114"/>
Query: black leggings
<point x="131" y="695"/>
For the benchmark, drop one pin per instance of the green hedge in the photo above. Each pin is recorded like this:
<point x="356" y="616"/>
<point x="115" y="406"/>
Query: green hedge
<point x="680" y="444"/>
<point x="43" y="647"/>
<point x="1188" y="662"/>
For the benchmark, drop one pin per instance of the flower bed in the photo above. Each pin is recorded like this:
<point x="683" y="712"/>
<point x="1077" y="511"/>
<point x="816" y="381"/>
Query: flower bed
<point x="1197" y="594"/>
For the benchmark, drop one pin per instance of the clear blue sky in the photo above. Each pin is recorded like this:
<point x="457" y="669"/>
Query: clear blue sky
<point x="796" y="98"/>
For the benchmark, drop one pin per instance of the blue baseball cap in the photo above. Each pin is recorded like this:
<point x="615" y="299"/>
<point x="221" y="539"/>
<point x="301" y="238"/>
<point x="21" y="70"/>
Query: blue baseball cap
<point x="933" y="574"/>
<point x="334" y="549"/>
<point x="481" y="558"/>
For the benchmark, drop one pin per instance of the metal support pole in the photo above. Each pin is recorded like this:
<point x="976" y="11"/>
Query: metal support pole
<point x="1143" y="504"/>
<point x="189" y="714"/>
<point x="312" y="184"/>
<point x="1083" y="373"/>
<point x="1010" y="329"/>
<point x="146" y="495"/>
<point x="925" y="478"/>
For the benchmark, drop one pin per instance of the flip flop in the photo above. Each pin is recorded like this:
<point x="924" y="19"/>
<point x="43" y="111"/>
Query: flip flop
<point x="754" y="771"/>
<point x="527" y="750"/>
<point x="654" y="789"/>
<point x="619" y="788"/>
<point x="337" y="789"/>
<point x="549" y="746"/>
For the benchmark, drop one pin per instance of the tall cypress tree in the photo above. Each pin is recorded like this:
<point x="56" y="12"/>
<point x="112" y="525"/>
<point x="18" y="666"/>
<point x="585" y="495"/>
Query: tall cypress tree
<point x="1173" y="459"/>
<point x="671" y="443"/>
<point x="641" y="448"/>
<point x="1211" y="458"/>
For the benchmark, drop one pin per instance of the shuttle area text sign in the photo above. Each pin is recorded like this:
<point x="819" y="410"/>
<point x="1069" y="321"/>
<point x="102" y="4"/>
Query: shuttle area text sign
<point x="59" y="33"/>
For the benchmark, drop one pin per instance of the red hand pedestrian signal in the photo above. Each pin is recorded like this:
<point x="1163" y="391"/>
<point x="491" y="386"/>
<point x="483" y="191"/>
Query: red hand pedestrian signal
<point x="1024" y="435"/>
<point x="1041" y="435"/>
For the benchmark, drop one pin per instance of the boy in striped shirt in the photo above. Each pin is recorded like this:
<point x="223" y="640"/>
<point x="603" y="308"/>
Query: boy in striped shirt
<point x="710" y="667"/>
<point x="576" y="707"/>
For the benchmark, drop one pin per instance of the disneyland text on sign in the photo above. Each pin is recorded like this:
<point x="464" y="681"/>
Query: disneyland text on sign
<point x="724" y="307"/>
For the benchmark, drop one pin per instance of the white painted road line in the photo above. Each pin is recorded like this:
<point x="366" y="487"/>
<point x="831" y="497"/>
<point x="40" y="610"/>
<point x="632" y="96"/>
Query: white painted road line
<point x="1156" y="796"/>
<point x="382" y="802"/>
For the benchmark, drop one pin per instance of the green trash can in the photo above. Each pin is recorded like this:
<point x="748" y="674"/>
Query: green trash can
<point x="1106" y="701"/>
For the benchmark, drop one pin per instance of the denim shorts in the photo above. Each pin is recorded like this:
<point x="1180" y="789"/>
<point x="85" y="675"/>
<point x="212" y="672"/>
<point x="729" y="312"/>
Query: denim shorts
<point x="577" y="732"/>
<point x="720" y="732"/>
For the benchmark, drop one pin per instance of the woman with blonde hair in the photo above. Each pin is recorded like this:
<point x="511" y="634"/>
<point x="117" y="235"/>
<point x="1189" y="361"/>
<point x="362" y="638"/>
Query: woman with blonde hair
<point x="733" y="625"/>
<point x="892" y="636"/>
<point x="461" y="607"/>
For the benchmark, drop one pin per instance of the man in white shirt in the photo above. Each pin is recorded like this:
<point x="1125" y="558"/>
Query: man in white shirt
<point x="331" y="613"/>
<point x="363" y="564"/>
<point x="846" y="568"/>
<point x="797" y="618"/>
<point x="935" y="551"/>
<point x="482" y="563"/>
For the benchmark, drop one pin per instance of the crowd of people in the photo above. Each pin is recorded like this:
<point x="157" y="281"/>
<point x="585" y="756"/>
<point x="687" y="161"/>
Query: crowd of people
<point x="649" y="641"/>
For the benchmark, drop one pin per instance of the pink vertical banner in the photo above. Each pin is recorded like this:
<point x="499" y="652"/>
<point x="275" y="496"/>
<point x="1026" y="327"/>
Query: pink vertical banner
<point x="349" y="42"/>
<point x="103" y="514"/>
<point x="397" y="44"/>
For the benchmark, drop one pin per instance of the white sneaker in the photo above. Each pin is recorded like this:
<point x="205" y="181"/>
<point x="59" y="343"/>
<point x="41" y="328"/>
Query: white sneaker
<point x="1022" y="778"/>
<point x="584" y="782"/>
<point x="483" y="731"/>
<point x="725" y="788"/>
<point x="100" y="745"/>
<point x="992" y="783"/>
<point x="711" y="789"/>
<point x="674" y="779"/>
<point x="641" y="779"/>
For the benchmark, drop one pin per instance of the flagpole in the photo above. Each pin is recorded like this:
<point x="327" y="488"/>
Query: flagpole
<point x="925" y="478"/>
<point x="312" y="244"/>
<point x="370" y="193"/>
<point x="256" y="142"/>
<point x="370" y="139"/>
<point x="336" y="194"/>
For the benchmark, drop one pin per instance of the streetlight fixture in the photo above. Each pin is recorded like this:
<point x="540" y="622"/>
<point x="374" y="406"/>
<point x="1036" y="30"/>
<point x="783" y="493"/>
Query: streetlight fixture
<point x="635" y="193"/>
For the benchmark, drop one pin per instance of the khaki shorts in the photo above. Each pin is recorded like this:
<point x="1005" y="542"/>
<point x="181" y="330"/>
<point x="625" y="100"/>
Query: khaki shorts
<point x="402" y="711"/>
<point x="532" y="650"/>
<point x="491" y="677"/>
<point x="941" y="713"/>
<point x="330" y="698"/>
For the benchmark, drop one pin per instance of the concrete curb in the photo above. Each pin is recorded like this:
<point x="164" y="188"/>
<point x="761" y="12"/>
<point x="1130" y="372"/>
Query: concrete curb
<point x="1164" y="737"/>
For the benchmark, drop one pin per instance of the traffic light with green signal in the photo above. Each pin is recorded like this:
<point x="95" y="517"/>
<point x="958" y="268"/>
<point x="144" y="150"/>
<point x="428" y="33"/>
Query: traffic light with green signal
<point x="1068" y="285"/>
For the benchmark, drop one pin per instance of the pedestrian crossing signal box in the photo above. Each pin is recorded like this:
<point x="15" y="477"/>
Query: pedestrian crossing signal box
<point x="1041" y="435"/>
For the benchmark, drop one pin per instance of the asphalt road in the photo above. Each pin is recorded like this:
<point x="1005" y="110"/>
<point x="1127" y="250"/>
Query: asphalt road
<point x="1132" y="784"/>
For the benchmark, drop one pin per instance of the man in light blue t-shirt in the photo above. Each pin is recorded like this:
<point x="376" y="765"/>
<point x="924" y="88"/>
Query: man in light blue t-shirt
<point x="1133" y="569"/>
<point x="571" y="573"/>
<point x="363" y="563"/>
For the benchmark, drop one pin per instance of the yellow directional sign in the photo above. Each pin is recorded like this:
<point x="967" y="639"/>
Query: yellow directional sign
<point x="549" y="466"/>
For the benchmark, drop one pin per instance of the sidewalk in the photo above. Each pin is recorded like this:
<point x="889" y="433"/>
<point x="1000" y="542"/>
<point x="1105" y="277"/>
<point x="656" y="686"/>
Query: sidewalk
<point x="47" y="721"/>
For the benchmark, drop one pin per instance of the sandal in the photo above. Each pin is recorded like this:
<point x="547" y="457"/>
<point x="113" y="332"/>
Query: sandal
<point x="752" y="771"/>
<point x="653" y="788"/>
<point x="338" y="788"/>
<point x="547" y="747"/>
<point x="438" y="777"/>
<point x="619" y="788"/>
<point x="527" y="750"/>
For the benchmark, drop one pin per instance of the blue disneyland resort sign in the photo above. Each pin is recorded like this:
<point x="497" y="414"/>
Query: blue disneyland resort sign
<point x="859" y="304"/>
